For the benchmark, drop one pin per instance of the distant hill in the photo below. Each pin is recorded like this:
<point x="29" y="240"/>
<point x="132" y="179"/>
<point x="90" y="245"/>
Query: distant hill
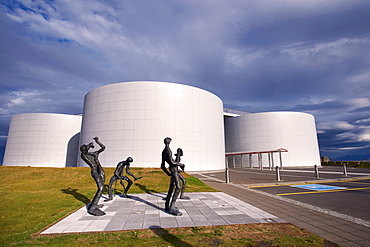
<point x="359" y="157"/>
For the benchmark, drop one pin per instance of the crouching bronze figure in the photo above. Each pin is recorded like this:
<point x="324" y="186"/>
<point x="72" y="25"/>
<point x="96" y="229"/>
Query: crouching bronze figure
<point x="118" y="175"/>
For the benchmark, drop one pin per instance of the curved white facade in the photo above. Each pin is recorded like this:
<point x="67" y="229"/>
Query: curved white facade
<point x="133" y="118"/>
<point x="257" y="132"/>
<point x="42" y="140"/>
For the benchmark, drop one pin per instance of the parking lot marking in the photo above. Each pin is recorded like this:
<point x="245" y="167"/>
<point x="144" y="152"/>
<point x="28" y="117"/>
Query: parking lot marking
<point x="323" y="191"/>
<point x="298" y="183"/>
<point x="318" y="187"/>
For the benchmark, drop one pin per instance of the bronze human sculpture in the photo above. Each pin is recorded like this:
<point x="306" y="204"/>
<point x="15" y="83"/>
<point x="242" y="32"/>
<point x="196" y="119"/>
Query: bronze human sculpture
<point x="97" y="172"/>
<point x="178" y="155"/>
<point x="118" y="175"/>
<point x="174" y="188"/>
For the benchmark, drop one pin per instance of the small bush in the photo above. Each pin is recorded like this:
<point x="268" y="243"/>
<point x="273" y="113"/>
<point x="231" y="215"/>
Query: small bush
<point x="354" y="164"/>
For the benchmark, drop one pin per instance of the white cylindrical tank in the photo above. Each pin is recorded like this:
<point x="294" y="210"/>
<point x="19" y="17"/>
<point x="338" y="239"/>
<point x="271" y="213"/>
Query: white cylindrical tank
<point x="43" y="140"/>
<point x="267" y="131"/>
<point x="133" y="118"/>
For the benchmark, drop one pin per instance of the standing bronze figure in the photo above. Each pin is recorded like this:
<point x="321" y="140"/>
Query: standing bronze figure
<point x="178" y="155"/>
<point x="97" y="172"/>
<point x="175" y="178"/>
<point x="118" y="175"/>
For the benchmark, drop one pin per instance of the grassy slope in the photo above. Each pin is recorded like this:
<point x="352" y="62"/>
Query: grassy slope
<point x="33" y="198"/>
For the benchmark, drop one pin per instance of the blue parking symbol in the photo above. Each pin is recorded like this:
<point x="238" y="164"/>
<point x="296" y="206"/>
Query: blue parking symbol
<point x="318" y="187"/>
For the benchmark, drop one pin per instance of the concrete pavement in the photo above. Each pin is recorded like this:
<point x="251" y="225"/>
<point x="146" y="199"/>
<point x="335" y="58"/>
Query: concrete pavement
<point x="146" y="211"/>
<point x="330" y="225"/>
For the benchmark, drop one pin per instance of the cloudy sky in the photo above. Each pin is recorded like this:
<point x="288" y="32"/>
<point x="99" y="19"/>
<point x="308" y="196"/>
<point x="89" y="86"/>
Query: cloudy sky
<point x="271" y="55"/>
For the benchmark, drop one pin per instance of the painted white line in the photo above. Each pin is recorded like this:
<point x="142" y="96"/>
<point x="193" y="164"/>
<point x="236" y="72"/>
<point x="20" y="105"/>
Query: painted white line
<point x="209" y="177"/>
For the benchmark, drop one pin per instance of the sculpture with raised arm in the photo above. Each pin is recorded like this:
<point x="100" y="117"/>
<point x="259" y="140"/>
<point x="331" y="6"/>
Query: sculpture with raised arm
<point x="175" y="178"/>
<point x="97" y="172"/>
<point x="118" y="175"/>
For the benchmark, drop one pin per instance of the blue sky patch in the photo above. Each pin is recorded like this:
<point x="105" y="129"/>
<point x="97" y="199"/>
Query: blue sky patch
<point x="318" y="187"/>
<point x="255" y="57"/>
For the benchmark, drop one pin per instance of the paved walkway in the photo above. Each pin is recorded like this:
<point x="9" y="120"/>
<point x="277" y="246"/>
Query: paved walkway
<point x="321" y="222"/>
<point x="145" y="211"/>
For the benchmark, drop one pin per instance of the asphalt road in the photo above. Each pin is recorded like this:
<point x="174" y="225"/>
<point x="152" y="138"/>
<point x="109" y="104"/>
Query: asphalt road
<point x="346" y="197"/>
<point x="352" y="197"/>
<point x="266" y="176"/>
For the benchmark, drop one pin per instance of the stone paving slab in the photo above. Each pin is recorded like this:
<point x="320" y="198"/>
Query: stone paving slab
<point x="145" y="211"/>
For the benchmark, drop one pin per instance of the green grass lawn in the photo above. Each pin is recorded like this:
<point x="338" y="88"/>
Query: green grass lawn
<point x="34" y="198"/>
